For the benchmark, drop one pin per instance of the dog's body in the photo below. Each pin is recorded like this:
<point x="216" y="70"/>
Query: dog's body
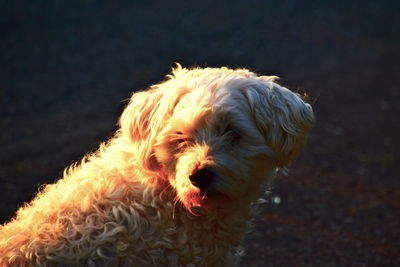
<point x="175" y="185"/>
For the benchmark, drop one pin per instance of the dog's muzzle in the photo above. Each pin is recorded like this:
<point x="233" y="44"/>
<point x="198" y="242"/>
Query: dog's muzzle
<point x="202" y="179"/>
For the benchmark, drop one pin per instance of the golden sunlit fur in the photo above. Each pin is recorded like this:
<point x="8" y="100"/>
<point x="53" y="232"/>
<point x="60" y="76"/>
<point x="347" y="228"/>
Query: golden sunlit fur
<point x="175" y="185"/>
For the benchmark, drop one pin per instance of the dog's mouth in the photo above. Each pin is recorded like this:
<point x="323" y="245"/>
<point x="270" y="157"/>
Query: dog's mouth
<point x="211" y="198"/>
<point x="215" y="198"/>
<point x="208" y="193"/>
<point x="201" y="189"/>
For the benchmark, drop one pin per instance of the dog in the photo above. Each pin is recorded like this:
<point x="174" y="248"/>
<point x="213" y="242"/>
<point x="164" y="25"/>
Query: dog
<point x="175" y="184"/>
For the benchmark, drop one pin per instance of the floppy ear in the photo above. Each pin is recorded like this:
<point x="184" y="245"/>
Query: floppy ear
<point x="148" y="112"/>
<point x="136" y="119"/>
<point x="140" y="122"/>
<point x="282" y="117"/>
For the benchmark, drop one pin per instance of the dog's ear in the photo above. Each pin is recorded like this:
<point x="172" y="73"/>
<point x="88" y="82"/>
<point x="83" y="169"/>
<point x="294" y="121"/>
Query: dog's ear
<point x="147" y="113"/>
<point x="135" y="121"/>
<point x="281" y="116"/>
<point x="139" y="125"/>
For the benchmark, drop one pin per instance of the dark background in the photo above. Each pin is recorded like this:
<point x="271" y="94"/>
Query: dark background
<point x="67" y="66"/>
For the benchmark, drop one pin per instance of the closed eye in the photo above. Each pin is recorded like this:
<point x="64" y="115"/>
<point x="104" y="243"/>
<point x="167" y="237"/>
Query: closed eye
<point x="232" y="133"/>
<point x="179" y="139"/>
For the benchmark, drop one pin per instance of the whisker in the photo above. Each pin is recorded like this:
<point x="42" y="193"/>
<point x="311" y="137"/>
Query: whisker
<point x="174" y="207"/>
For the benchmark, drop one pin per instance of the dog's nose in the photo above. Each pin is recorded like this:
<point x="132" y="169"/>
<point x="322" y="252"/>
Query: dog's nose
<point x="202" y="178"/>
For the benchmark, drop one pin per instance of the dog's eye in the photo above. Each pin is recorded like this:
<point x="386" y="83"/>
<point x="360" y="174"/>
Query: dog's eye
<point x="178" y="136"/>
<point x="232" y="133"/>
<point x="179" y="139"/>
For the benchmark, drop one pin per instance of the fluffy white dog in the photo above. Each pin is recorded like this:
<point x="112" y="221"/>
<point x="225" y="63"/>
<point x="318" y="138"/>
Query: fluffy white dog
<point x="174" y="187"/>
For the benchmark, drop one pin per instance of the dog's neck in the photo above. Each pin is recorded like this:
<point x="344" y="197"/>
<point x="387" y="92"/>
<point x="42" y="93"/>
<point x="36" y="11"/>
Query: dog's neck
<point x="217" y="231"/>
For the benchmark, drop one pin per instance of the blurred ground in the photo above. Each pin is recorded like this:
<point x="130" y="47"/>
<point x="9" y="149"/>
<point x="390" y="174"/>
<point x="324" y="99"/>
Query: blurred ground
<point x="66" y="66"/>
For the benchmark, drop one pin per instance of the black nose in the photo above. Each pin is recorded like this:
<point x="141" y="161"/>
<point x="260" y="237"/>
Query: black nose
<point x="202" y="178"/>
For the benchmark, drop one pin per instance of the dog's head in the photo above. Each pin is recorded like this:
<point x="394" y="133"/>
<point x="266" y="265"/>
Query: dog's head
<point x="216" y="134"/>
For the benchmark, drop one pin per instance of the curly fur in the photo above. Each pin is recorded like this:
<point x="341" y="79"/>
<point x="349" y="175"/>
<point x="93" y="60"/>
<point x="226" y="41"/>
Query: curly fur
<point x="132" y="203"/>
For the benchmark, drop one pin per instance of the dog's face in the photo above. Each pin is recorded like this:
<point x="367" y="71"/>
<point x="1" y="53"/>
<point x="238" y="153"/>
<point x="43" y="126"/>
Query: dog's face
<point x="217" y="134"/>
<point x="210" y="147"/>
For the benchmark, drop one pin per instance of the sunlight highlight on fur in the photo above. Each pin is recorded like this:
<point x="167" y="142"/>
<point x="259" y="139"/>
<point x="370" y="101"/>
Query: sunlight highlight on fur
<point x="175" y="185"/>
